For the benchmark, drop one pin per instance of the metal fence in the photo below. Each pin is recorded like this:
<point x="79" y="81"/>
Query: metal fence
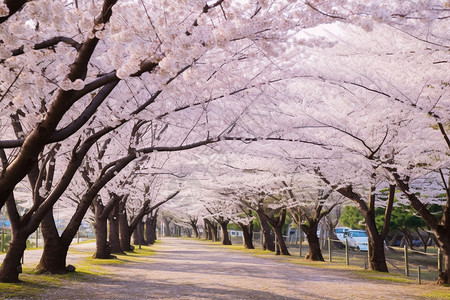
<point x="35" y="240"/>
<point x="400" y="260"/>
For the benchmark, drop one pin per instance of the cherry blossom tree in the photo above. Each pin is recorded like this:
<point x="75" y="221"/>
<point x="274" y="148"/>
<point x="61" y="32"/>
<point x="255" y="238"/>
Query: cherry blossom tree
<point x="199" y="71"/>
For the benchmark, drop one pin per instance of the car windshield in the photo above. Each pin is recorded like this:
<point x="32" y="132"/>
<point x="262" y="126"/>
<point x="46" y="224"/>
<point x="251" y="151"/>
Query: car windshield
<point x="359" y="234"/>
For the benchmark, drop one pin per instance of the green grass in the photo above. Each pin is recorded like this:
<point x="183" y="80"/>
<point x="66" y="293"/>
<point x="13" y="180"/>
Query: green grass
<point x="439" y="294"/>
<point x="87" y="270"/>
<point x="357" y="262"/>
<point x="32" y="284"/>
<point x="391" y="277"/>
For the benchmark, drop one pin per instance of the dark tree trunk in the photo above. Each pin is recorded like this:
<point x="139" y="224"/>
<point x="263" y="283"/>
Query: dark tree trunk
<point x="225" y="236"/>
<point x="376" y="247"/>
<point x="215" y="232"/>
<point x="268" y="239"/>
<point x="208" y="230"/>
<point x="281" y="245"/>
<point x="124" y="232"/>
<point x="154" y="224"/>
<point x="376" y="253"/>
<point x="138" y="235"/>
<point x="212" y="230"/>
<point x="149" y="238"/>
<point x="277" y="225"/>
<point x="103" y="247"/>
<point x="377" y="259"/>
<point x="167" y="227"/>
<point x="53" y="259"/>
<point x="114" y="238"/>
<point x="424" y="239"/>
<point x="444" y="275"/>
<point x="11" y="266"/>
<point x="150" y="229"/>
<point x="193" y="224"/>
<point x="315" y="253"/>
<point x="101" y="216"/>
<point x="247" y="233"/>
<point x="23" y="226"/>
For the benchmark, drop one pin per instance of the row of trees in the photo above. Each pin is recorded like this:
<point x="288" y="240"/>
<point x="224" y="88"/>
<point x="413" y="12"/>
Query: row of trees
<point x="254" y="105"/>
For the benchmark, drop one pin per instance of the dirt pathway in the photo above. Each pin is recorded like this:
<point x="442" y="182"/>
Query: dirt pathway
<point x="189" y="269"/>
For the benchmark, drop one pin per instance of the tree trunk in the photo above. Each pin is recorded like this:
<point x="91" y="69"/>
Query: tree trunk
<point x="376" y="240"/>
<point x="208" y="230"/>
<point x="103" y="247"/>
<point x="114" y="238"/>
<point x="315" y="253"/>
<point x="277" y="226"/>
<point x="138" y="234"/>
<point x="150" y="229"/>
<point x="268" y="239"/>
<point x="53" y="259"/>
<point x="281" y="245"/>
<point x="225" y="236"/>
<point x="444" y="243"/>
<point x="123" y="228"/>
<point x="194" y="228"/>
<point x="247" y="233"/>
<point x="167" y="227"/>
<point x="377" y="257"/>
<point x="215" y="232"/>
<point x="154" y="225"/>
<point x="212" y="230"/>
<point x="11" y="266"/>
<point x="424" y="239"/>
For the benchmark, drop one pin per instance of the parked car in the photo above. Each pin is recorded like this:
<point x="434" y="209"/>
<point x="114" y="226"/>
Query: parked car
<point x="341" y="233"/>
<point x="358" y="240"/>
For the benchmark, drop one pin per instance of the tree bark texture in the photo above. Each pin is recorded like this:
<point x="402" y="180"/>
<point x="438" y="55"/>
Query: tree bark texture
<point x="315" y="253"/>
<point x="277" y="224"/>
<point x="114" y="238"/>
<point x="268" y="238"/>
<point x="124" y="232"/>
<point x="53" y="259"/>
<point x="376" y="241"/>
<point x="225" y="239"/>
<point x="166" y="222"/>
<point x="138" y="235"/>
<point x="247" y="234"/>
<point x="193" y="224"/>
<point x="103" y="247"/>
<point x="150" y="228"/>
<point x="11" y="266"/>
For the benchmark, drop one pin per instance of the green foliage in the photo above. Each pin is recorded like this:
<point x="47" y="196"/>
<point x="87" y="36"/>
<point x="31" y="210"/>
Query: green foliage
<point x="286" y="223"/>
<point x="402" y="218"/>
<point x="352" y="217"/>
<point x="233" y="226"/>
<point x="256" y="224"/>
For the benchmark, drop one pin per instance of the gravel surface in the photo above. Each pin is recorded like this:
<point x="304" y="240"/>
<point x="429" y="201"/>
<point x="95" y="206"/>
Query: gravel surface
<point x="189" y="269"/>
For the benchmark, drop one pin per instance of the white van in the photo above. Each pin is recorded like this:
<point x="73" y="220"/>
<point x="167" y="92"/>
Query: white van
<point x="358" y="240"/>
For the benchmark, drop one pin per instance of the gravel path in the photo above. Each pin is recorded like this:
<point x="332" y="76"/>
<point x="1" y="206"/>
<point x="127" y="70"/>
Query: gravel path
<point x="189" y="269"/>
